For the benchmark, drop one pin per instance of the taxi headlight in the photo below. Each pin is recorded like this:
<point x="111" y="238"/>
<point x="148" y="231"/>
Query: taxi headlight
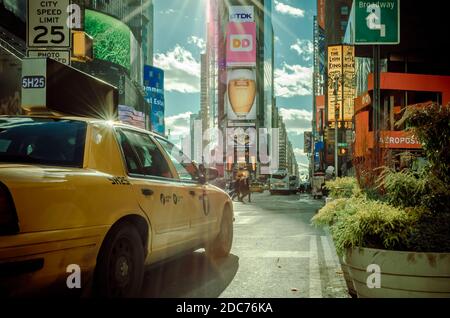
<point x="9" y="224"/>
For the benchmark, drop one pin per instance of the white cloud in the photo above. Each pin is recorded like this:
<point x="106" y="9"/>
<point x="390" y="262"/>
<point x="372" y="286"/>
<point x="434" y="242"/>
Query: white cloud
<point x="198" y="42"/>
<point x="304" y="49"/>
<point x="297" y="121"/>
<point x="293" y="80"/>
<point x="287" y="9"/>
<point x="179" y="125"/>
<point x="302" y="158"/>
<point x="169" y="11"/>
<point x="182" y="71"/>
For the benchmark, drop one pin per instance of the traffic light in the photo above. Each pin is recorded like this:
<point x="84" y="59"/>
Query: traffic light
<point x="82" y="48"/>
<point x="343" y="151"/>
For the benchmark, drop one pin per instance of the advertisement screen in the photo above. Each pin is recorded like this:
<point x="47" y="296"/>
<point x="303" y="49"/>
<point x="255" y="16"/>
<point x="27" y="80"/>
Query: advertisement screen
<point x="128" y="115"/>
<point x="241" y="44"/>
<point x="349" y="81"/>
<point x="242" y="14"/>
<point x="154" y="95"/>
<point x="112" y="38"/>
<point x="335" y="81"/>
<point x="241" y="94"/>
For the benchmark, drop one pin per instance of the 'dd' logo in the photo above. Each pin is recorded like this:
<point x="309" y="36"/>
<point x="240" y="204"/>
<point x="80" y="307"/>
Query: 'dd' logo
<point x="241" y="43"/>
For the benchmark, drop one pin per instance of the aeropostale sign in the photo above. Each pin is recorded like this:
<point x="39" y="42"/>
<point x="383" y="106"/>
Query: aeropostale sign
<point x="399" y="140"/>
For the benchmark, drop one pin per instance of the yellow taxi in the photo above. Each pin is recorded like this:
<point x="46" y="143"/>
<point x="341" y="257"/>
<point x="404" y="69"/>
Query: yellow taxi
<point x="257" y="187"/>
<point x="102" y="198"/>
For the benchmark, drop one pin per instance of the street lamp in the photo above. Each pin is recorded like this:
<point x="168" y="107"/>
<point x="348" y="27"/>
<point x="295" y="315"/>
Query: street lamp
<point x="336" y="117"/>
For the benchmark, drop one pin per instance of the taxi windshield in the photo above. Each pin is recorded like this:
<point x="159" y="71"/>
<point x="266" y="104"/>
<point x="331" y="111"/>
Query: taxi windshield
<point x="42" y="141"/>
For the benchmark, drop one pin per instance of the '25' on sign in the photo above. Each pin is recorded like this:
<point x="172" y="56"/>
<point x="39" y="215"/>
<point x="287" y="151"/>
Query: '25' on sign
<point x="49" y="23"/>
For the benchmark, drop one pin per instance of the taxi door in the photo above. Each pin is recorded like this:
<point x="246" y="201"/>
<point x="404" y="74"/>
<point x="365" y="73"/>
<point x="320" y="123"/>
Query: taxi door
<point x="159" y="194"/>
<point x="196" y="203"/>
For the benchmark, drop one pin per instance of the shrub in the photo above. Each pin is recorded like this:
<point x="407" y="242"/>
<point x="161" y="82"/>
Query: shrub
<point x="327" y="215"/>
<point x="343" y="187"/>
<point x="403" y="189"/>
<point x="373" y="224"/>
<point x="430" y="233"/>
<point x="431" y="124"/>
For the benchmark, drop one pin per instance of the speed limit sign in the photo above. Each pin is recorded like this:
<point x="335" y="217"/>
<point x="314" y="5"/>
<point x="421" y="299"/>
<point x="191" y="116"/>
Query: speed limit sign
<point x="47" y="24"/>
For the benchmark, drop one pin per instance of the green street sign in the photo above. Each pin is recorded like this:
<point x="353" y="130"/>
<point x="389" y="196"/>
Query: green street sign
<point x="342" y="144"/>
<point x="376" y="22"/>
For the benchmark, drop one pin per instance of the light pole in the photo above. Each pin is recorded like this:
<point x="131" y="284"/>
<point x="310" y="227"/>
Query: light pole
<point x="336" y="117"/>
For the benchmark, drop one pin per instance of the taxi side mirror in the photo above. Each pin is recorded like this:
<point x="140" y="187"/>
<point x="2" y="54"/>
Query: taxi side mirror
<point x="208" y="174"/>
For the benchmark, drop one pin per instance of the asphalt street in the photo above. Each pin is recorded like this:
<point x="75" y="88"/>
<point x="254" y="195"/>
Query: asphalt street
<point x="276" y="253"/>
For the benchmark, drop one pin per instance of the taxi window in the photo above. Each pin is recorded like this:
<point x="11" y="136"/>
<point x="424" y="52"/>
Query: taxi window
<point x="142" y="155"/>
<point x="44" y="141"/>
<point x="185" y="168"/>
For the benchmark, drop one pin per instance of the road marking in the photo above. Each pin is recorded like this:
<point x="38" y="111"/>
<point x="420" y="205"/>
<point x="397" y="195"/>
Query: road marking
<point x="329" y="259"/>
<point x="277" y="254"/>
<point x="315" y="286"/>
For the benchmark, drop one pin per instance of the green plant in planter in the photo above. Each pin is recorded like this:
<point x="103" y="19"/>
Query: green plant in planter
<point x="359" y="221"/>
<point x="403" y="189"/>
<point x="343" y="187"/>
<point x="373" y="224"/>
<point x="414" y="213"/>
<point x="431" y="124"/>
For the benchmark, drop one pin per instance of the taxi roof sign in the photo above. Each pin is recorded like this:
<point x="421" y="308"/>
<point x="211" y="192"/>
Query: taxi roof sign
<point x="52" y="87"/>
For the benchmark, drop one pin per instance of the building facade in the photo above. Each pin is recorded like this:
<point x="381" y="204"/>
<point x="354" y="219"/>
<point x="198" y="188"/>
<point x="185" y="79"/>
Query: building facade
<point x="105" y="21"/>
<point x="222" y="16"/>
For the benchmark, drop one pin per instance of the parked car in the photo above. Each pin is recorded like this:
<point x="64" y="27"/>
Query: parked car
<point x="107" y="197"/>
<point x="257" y="187"/>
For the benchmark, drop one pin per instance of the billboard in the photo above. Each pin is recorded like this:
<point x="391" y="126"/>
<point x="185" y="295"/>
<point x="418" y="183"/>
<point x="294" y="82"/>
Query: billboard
<point x="154" y="95"/>
<point x="130" y="116"/>
<point x="307" y="147"/>
<point x="334" y="81"/>
<point x="240" y="95"/>
<point x="114" y="42"/>
<point x="241" y="44"/>
<point x="241" y="14"/>
<point x="349" y="81"/>
<point x="341" y="75"/>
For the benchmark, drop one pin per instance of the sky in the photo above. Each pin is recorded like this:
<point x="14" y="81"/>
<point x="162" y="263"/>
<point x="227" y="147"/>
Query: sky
<point x="179" y="39"/>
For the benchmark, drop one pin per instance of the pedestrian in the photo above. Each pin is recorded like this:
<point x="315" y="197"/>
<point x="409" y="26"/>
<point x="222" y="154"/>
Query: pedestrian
<point x="245" y="189"/>
<point x="235" y="184"/>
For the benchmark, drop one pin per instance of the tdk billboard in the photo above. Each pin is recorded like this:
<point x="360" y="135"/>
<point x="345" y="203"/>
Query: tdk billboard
<point x="242" y="14"/>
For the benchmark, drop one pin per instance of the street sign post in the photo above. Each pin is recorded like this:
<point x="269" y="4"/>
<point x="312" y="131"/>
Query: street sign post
<point x="376" y="22"/>
<point x="47" y="24"/>
<point x="62" y="56"/>
<point x="48" y="31"/>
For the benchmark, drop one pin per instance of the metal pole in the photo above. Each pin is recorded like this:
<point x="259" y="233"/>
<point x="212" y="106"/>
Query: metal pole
<point x="376" y="105"/>
<point x="336" y="143"/>
<point x="336" y="115"/>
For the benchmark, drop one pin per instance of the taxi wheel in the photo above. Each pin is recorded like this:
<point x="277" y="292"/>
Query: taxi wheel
<point x="221" y="246"/>
<point x="120" y="264"/>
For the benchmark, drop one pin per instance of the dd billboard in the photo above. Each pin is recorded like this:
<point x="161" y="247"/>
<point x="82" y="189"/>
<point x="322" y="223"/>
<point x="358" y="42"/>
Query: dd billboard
<point x="154" y="95"/>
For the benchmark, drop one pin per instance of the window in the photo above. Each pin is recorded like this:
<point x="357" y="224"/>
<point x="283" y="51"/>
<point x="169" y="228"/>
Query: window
<point x="142" y="155"/>
<point x="185" y="168"/>
<point x="344" y="10"/>
<point x="42" y="140"/>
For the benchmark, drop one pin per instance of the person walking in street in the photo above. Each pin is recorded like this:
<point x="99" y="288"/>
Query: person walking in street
<point x="245" y="189"/>
<point x="235" y="185"/>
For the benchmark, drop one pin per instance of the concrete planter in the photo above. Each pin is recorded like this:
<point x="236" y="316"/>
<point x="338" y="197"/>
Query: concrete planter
<point x="403" y="274"/>
<point x="348" y="279"/>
